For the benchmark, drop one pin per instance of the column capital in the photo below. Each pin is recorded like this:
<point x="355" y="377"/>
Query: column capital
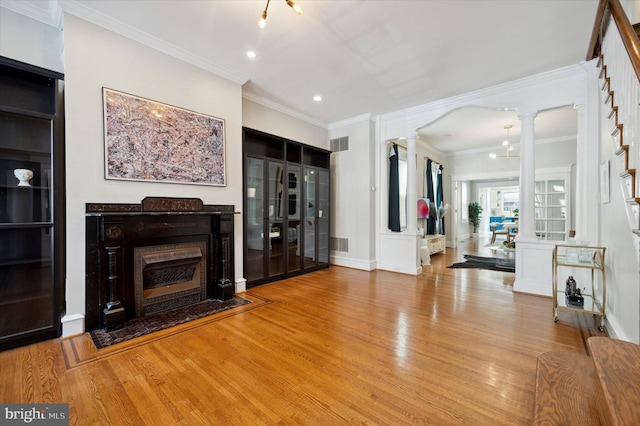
<point x="525" y="115"/>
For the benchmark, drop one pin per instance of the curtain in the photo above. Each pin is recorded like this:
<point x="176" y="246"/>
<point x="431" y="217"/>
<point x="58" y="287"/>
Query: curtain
<point x="439" y="196"/>
<point x="431" y="222"/>
<point x="394" y="191"/>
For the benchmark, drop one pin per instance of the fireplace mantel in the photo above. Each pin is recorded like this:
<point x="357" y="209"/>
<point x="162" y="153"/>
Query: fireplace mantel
<point x="115" y="231"/>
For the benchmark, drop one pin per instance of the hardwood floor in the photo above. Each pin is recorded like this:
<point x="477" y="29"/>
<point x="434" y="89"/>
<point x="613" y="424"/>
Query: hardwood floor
<point x="338" y="346"/>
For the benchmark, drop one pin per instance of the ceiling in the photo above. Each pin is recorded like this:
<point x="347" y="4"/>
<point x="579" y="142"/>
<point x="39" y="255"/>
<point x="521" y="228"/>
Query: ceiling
<point x="363" y="56"/>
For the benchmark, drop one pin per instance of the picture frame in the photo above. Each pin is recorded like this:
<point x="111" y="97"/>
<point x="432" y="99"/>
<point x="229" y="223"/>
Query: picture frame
<point x="151" y="141"/>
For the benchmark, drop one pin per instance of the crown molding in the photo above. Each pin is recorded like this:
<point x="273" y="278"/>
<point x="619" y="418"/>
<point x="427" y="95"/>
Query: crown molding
<point x="51" y="15"/>
<point x="485" y="96"/>
<point x="77" y="8"/>
<point x="353" y="120"/>
<point x="283" y="109"/>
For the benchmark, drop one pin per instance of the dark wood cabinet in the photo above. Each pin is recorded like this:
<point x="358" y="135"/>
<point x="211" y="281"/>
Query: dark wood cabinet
<point x="286" y="208"/>
<point x="31" y="204"/>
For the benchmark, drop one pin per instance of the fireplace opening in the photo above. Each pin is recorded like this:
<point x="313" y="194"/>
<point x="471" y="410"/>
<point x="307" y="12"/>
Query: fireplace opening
<point x="161" y="254"/>
<point x="169" y="276"/>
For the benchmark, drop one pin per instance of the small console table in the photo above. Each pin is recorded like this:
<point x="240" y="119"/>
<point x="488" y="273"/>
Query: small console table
<point x="435" y="244"/>
<point x="430" y="245"/>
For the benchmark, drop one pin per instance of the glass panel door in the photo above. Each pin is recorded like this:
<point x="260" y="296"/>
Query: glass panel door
<point x="26" y="263"/>
<point x="293" y="215"/>
<point x="309" y="225"/>
<point x="255" y="222"/>
<point x="323" y="216"/>
<point x="277" y="214"/>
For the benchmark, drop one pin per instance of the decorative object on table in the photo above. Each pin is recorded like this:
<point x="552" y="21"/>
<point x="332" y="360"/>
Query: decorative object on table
<point x="155" y="142"/>
<point x="437" y="213"/>
<point x="423" y="208"/>
<point x="23" y="176"/>
<point x="573" y="294"/>
<point x="475" y="214"/>
<point x="509" y="245"/>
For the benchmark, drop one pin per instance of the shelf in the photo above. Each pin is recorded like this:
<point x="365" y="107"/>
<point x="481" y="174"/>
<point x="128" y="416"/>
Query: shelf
<point x="591" y="305"/>
<point x="43" y="262"/>
<point x="32" y="152"/>
<point x="21" y="225"/>
<point x="26" y="112"/>
<point x="24" y="188"/>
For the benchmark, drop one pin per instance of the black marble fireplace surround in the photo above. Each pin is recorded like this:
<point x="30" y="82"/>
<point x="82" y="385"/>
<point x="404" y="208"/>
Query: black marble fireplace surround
<point x="114" y="232"/>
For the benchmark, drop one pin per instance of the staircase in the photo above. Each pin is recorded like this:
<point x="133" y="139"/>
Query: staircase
<point x="600" y="389"/>
<point x="603" y="388"/>
<point x="617" y="48"/>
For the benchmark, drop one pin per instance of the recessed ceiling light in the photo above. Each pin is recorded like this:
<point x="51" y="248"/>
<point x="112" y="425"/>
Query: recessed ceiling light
<point x="251" y="54"/>
<point x="317" y="98"/>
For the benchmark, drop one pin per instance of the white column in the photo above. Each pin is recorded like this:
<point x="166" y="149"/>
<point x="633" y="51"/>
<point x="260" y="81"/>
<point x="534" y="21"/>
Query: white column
<point x="412" y="217"/>
<point x="527" y="229"/>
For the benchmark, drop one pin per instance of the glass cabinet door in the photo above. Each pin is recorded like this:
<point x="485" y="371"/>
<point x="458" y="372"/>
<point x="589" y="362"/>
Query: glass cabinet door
<point x="26" y="263"/>
<point x="309" y="225"/>
<point x="323" y="216"/>
<point x="255" y="222"/>
<point x="294" y="254"/>
<point x="31" y="286"/>
<point x="277" y="213"/>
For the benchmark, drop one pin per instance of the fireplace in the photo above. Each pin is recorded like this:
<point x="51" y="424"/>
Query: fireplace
<point x="168" y="276"/>
<point x="151" y="257"/>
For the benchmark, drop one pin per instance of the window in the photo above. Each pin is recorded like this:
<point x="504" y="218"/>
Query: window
<point x="551" y="209"/>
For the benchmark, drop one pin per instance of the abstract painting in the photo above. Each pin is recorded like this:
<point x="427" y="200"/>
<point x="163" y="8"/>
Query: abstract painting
<point x="151" y="141"/>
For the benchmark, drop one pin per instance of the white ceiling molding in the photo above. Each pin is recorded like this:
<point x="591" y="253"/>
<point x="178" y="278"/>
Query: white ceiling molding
<point x="511" y="96"/>
<point x="78" y="9"/>
<point x="283" y="109"/>
<point x="486" y="150"/>
<point x="47" y="11"/>
<point x="349" y="121"/>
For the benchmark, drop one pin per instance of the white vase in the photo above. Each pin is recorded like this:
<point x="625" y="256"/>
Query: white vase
<point x="23" y="176"/>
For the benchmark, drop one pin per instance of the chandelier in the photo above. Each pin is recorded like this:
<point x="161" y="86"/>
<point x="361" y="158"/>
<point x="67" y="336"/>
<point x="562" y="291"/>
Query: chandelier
<point x="290" y="3"/>
<point x="507" y="145"/>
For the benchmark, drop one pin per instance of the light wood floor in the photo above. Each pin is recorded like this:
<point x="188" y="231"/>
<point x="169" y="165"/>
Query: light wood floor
<point x="335" y="347"/>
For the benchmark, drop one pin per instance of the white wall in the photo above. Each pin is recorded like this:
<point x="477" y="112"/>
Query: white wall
<point x="259" y="117"/>
<point x="632" y="9"/>
<point x="27" y="40"/>
<point x="353" y="191"/>
<point x="95" y="57"/>
<point x="623" y="292"/>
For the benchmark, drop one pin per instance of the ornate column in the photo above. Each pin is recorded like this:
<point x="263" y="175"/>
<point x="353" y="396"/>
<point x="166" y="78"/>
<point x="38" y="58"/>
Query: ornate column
<point x="113" y="314"/>
<point x="527" y="229"/>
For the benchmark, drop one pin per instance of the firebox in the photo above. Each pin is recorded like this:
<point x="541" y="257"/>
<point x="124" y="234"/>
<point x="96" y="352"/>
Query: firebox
<point x="169" y="276"/>
<point x="158" y="255"/>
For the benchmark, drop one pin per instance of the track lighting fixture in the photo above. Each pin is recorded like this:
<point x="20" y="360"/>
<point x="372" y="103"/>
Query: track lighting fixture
<point x="292" y="4"/>
<point x="507" y="145"/>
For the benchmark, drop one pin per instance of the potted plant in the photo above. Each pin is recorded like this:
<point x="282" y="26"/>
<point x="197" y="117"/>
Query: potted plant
<point x="475" y="210"/>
